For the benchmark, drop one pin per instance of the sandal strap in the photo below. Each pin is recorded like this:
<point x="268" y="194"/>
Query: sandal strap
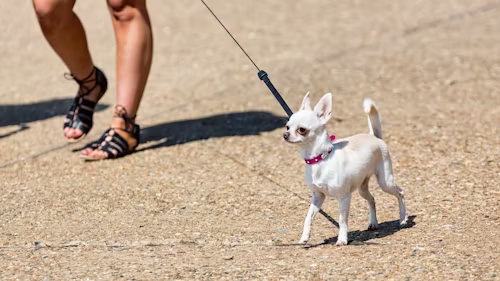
<point x="121" y="112"/>
<point x="114" y="144"/>
<point x="81" y="112"/>
<point x="84" y="90"/>
<point x="82" y="120"/>
<point x="98" y="142"/>
<point x="135" y="132"/>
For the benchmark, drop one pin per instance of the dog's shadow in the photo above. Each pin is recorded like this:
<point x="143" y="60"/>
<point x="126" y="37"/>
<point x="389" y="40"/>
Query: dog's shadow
<point x="365" y="237"/>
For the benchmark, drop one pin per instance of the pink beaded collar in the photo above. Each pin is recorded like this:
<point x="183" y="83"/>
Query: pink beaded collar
<point x="322" y="156"/>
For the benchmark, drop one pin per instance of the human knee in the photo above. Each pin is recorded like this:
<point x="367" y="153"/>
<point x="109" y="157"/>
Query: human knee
<point x="125" y="10"/>
<point x="50" y="13"/>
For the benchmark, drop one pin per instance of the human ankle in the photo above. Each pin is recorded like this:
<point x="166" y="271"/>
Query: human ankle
<point x="84" y="75"/>
<point x="122" y="119"/>
<point x="87" y="82"/>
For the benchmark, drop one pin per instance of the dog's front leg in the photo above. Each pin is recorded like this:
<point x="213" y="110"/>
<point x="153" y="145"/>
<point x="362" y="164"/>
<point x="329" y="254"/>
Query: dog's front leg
<point x="316" y="202"/>
<point x="344" y="206"/>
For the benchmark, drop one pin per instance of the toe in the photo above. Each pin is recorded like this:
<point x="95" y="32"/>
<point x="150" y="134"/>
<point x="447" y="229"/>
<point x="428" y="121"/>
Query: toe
<point x="75" y="133"/>
<point x="99" y="154"/>
<point x="86" y="151"/>
<point x="70" y="132"/>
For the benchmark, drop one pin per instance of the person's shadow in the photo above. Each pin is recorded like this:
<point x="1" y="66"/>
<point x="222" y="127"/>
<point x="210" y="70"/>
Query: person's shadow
<point x="225" y="125"/>
<point x="20" y="114"/>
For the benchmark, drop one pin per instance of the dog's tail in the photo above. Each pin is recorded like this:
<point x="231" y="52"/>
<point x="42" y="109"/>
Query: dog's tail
<point x="374" y="122"/>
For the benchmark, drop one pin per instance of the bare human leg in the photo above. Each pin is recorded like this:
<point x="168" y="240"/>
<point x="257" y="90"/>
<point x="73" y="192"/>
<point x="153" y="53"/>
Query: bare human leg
<point x="65" y="34"/>
<point x="134" y="42"/>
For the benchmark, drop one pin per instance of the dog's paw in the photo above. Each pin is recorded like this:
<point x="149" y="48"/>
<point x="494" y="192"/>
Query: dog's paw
<point x="404" y="221"/>
<point x="341" y="243"/>
<point x="372" y="226"/>
<point x="304" y="238"/>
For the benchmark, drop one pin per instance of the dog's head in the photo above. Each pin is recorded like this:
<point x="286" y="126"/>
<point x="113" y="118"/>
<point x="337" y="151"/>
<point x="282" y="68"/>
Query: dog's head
<point x="305" y="124"/>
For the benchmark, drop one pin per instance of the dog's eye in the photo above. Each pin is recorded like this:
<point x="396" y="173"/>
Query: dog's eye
<point x="302" y="131"/>
<point x="287" y="128"/>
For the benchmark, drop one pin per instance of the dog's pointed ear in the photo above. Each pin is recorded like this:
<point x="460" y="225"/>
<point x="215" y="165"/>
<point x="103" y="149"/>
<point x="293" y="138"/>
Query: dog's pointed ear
<point x="306" y="103"/>
<point x="324" y="108"/>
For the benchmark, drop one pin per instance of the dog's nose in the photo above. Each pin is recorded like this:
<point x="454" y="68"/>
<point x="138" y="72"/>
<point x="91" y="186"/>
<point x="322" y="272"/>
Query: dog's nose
<point x="286" y="135"/>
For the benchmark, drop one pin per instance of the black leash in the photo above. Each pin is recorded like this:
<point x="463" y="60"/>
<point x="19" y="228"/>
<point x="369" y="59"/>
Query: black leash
<point x="262" y="74"/>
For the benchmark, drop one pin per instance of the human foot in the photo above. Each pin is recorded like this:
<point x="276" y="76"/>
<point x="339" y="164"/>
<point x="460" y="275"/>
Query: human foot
<point x="119" y="140"/>
<point x="79" y="120"/>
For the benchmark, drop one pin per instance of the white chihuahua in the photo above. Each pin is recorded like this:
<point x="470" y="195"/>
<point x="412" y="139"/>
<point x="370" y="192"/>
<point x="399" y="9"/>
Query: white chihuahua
<point x="337" y="168"/>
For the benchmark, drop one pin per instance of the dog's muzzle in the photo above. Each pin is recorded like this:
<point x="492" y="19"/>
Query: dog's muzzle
<point x="286" y="135"/>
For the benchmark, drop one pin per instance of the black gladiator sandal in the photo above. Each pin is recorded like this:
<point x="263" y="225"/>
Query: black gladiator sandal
<point x="114" y="144"/>
<point x="82" y="110"/>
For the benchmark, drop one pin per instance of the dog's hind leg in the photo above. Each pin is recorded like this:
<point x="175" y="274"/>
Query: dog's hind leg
<point x="385" y="178"/>
<point x="316" y="202"/>
<point x="365" y="193"/>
